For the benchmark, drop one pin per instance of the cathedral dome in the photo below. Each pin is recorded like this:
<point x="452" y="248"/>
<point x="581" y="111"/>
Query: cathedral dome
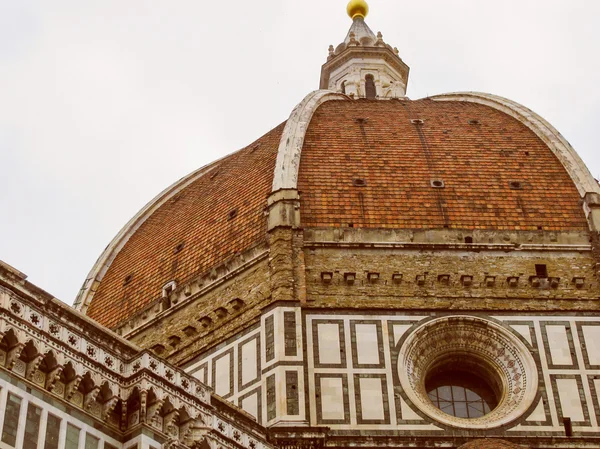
<point x="355" y="154"/>
<point x="399" y="164"/>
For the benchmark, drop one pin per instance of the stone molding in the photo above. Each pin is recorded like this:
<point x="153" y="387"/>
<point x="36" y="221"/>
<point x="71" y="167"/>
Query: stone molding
<point x="292" y="139"/>
<point x="458" y="238"/>
<point x="283" y="208"/>
<point x="171" y="402"/>
<point x="562" y="149"/>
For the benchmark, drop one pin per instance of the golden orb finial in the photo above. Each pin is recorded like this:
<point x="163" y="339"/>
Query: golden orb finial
<point x="357" y="8"/>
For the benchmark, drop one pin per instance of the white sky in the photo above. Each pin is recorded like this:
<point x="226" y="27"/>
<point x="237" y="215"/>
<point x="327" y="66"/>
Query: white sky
<point x="105" y="103"/>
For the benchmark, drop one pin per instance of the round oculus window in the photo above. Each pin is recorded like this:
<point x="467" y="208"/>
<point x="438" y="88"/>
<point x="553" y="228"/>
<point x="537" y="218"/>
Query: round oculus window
<point x="467" y="372"/>
<point x="460" y="393"/>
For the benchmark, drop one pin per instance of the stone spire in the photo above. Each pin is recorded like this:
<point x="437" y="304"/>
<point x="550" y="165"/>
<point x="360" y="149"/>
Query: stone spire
<point x="364" y="66"/>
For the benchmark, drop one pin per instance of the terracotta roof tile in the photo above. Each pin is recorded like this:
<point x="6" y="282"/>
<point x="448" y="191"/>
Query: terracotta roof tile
<point x="476" y="151"/>
<point x="197" y="217"/>
<point x="349" y="140"/>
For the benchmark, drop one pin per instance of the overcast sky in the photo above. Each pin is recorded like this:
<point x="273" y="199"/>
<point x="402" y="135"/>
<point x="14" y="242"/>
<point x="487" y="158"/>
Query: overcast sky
<point x="105" y="103"/>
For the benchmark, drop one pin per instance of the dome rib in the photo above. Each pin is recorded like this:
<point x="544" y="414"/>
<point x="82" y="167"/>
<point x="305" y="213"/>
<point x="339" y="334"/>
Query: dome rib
<point x="292" y="139"/>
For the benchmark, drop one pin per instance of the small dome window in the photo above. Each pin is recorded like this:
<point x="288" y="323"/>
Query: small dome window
<point x="370" y="90"/>
<point x="515" y="185"/>
<point x="437" y="183"/>
<point x="127" y="279"/>
<point x="359" y="182"/>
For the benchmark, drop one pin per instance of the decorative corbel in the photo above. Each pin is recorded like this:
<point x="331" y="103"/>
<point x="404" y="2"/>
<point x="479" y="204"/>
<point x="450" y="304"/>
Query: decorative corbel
<point x="153" y="409"/>
<point x="124" y="421"/>
<point x="143" y="405"/>
<point x="72" y="387"/>
<point x="109" y="407"/>
<point x="193" y="433"/>
<point x="202" y="443"/>
<point x="90" y="397"/>
<point x="13" y="355"/>
<point x="33" y="365"/>
<point x="173" y="444"/>
<point x="169" y="424"/>
<point x="53" y="376"/>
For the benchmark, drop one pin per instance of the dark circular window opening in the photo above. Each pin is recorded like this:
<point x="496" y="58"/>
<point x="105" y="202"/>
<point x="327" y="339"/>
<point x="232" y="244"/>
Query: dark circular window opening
<point x="461" y="393"/>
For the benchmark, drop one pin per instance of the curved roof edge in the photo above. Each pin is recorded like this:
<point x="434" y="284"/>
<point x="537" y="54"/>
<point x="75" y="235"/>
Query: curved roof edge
<point x="568" y="157"/>
<point x="96" y="274"/>
<point x="292" y="139"/>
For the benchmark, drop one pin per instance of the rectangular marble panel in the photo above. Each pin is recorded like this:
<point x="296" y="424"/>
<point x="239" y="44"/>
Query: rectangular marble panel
<point x="367" y="344"/>
<point x="271" y="398"/>
<point x="329" y="343"/>
<point x="570" y="402"/>
<point x="291" y="393"/>
<point x="249" y="352"/>
<point x="558" y="343"/>
<point x="250" y="404"/>
<point x="332" y="398"/>
<point x="222" y="370"/>
<point x="371" y="399"/>
<point x="591" y="336"/>
<point x="398" y="330"/>
<point x="289" y="330"/>
<point x="269" y="338"/>
<point x="524" y="330"/>
<point x="202" y="373"/>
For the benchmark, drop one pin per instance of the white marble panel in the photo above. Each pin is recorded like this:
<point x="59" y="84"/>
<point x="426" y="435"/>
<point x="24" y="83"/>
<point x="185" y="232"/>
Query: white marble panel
<point x="332" y="398"/>
<point x="570" y="403"/>
<point x="408" y="414"/>
<point x="222" y="376"/>
<point x="523" y="330"/>
<point x="538" y="414"/>
<point x="329" y="343"/>
<point x="591" y="335"/>
<point x="250" y="404"/>
<point x="367" y="347"/>
<point x="559" y="345"/>
<point x="249" y="355"/>
<point x="371" y="398"/>
<point x="399" y="330"/>
<point x="200" y="374"/>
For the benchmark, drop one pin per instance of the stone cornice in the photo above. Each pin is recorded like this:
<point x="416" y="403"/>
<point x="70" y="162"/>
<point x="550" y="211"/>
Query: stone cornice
<point x="449" y="246"/>
<point x="46" y="333"/>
